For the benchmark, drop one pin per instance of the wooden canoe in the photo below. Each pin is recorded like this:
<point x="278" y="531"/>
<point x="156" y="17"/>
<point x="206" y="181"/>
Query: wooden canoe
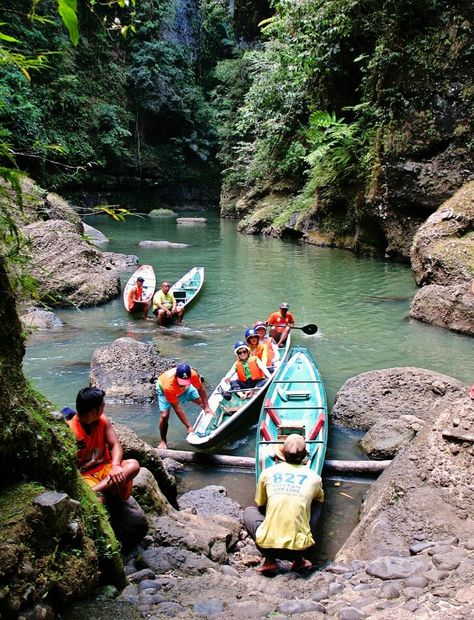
<point x="229" y="416"/>
<point x="295" y="403"/>
<point x="187" y="288"/>
<point x="148" y="274"/>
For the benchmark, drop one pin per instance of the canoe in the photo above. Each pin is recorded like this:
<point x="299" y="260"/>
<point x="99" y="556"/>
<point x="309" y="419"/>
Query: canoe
<point x="295" y="403"/>
<point x="148" y="274"/>
<point x="187" y="288"/>
<point x="230" y="416"/>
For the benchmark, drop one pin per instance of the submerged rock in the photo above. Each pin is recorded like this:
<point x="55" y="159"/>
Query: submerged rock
<point x="94" y="236"/>
<point x="121" y="261"/>
<point x="162" y="213"/>
<point x="162" y="244"/>
<point x="40" y="319"/>
<point x="191" y="220"/>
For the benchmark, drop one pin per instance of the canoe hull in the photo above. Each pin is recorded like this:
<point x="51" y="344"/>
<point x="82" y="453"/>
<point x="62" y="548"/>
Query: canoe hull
<point x="295" y="403"/>
<point x="187" y="288"/>
<point x="230" y="416"/>
<point x="148" y="274"/>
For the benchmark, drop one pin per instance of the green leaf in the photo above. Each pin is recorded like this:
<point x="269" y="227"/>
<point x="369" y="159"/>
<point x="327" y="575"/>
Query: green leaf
<point x="5" y="37"/>
<point x="68" y="11"/>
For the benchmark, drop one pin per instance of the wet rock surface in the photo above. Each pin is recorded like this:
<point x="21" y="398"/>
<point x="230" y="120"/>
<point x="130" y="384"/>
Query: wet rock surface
<point x="37" y="318"/>
<point x="127" y="370"/>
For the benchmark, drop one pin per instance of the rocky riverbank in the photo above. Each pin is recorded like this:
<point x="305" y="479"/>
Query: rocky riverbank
<point x="411" y="555"/>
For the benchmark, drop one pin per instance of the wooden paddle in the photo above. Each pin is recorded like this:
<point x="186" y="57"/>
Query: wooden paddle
<point x="307" y="329"/>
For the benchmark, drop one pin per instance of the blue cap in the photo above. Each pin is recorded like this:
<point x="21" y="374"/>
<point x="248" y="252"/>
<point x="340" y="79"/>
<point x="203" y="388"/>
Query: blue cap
<point x="68" y="413"/>
<point x="183" y="371"/>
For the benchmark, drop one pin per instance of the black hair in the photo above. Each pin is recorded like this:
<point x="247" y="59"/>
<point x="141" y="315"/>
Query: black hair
<point x="89" y="398"/>
<point x="295" y="459"/>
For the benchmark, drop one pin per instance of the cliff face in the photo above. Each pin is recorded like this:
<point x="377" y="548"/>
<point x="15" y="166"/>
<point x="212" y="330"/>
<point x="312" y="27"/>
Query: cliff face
<point x="395" y="142"/>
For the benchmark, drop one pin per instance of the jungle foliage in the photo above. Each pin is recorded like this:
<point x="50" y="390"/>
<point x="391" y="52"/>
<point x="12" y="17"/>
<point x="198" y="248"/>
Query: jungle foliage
<point x="333" y="82"/>
<point x="128" y="101"/>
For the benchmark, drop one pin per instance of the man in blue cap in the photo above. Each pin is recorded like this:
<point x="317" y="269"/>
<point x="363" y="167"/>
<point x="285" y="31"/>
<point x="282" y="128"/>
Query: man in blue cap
<point x="174" y="387"/>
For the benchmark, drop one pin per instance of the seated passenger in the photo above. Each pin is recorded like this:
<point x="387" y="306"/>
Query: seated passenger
<point x="253" y="343"/>
<point x="99" y="453"/>
<point x="165" y="306"/>
<point x="247" y="373"/>
<point x="136" y="301"/>
<point x="270" y="355"/>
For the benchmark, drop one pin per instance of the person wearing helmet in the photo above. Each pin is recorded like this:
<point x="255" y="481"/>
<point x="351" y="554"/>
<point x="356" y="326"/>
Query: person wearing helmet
<point x="280" y="324"/>
<point x="253" y="342"/>
<point x="270" y="355"/>
<point x="248" y="372"/>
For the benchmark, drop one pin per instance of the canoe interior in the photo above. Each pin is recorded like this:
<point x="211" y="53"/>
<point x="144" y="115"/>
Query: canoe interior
<point x="187" y="287"/>
<point x="295" y="403"/>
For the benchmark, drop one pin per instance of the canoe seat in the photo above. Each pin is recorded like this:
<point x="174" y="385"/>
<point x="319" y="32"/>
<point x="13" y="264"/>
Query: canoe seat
<point x="297" y="395"/>
<point x="179" y="295"/>
<point x="229" y="410"/>
<point x="264" y="432"/>
<point x="287" y="429"/>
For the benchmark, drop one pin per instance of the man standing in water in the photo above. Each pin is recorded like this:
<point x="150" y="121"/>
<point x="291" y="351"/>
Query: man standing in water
<point x="280" y="324"/>
<point x="175" y="386"/>
<point x="288" y="497"/>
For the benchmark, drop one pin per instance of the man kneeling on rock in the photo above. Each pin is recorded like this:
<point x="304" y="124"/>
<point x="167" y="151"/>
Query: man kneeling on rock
<point x="288" y="497"/>
<point x="99" y="453"/>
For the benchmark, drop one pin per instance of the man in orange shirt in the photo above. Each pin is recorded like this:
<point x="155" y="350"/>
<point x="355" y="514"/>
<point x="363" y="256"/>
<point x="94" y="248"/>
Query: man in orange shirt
<point x="175" y="386"/>
<point x="99" y="453"/>
<point x="280" y="324"/>
<point x="136" y="301"/>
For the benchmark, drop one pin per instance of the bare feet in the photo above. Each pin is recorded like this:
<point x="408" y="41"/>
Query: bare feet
<point x="163" y="445"/>
<point x="189" y="429"/>
<point x="267" y="566"/>
<point x="301" y="564"/>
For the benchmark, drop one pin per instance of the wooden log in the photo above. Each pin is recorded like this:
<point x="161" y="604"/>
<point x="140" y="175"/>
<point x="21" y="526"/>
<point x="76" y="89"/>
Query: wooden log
<point x="247" y="462"/>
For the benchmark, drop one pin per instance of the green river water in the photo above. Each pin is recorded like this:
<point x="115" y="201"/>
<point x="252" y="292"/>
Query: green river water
<point x="359" y="304"/>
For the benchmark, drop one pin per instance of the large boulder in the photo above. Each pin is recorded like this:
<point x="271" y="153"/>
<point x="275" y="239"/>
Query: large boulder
<point x="390" y="393"/>
<point x="69" y="271"/>
<point x="127" y="370"/>
<point x="443" y="247"/>
<point x="425" y="495"/>
<point x="37" y="318"/>
<point x="451" y="307"/>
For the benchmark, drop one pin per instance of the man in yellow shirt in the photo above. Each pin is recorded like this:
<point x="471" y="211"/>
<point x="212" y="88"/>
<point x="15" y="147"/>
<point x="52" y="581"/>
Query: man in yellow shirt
<point x="288" y="497"/>
<point x="165" y="306"/>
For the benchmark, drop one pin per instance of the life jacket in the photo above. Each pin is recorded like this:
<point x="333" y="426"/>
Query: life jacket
<point x="270" y="353"/>
<point x="171" y="388"/>
<point x="134" y="294"/>
<point x="255" y="372"/>
<point x="92" y="450"/>
<point x="258" y="351"/>
<point x="280" y="322"/>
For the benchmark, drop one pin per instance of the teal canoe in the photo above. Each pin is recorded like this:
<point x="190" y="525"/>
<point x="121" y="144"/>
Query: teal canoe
<point x="230" y="416"/>
<point x="187" y="288"/>
<point x="295" y="403"/>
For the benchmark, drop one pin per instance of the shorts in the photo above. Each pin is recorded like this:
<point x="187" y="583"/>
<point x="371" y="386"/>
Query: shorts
<point x="190" y="393"/>
<point x="91" y="480"/>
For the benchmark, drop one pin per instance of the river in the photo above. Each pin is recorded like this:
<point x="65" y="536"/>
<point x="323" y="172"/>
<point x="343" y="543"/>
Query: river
<point x="359" y="304"/>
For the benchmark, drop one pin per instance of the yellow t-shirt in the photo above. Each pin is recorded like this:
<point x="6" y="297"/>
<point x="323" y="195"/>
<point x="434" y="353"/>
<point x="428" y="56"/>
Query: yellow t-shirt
<point x="165" y="299"/>
<point x="287" y="491"/>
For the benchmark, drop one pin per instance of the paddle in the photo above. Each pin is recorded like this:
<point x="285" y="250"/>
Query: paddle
<point x="307" y="329"/>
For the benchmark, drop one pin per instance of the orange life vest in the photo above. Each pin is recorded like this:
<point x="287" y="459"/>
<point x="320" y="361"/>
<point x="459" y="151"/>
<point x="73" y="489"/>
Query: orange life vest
<point x="171" y="388"/>
<point x="258" y="351"/>
<point x="92" y="450"/>
<point x="270" y="353"/>
<point x="255" y="372"/>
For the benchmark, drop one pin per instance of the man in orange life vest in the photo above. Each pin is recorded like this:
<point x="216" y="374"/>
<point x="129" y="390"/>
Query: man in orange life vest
<point x="247" y="373"/>
<point x="174" y="387"/>
<point x="135" y="301"/>
<point x="280" y="324"/>
<point x="99" y="453"/>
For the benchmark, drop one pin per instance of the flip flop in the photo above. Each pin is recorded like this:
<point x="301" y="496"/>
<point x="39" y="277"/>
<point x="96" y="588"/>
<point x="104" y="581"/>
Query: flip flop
<point x="270" y="569"/>
<point x="306" y="565"/>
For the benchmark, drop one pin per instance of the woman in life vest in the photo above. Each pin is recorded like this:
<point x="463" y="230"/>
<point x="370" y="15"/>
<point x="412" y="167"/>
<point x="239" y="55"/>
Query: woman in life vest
<point x="248" y="372"/>
<point x="253" y="342"/>
<point x="271" y="354"/>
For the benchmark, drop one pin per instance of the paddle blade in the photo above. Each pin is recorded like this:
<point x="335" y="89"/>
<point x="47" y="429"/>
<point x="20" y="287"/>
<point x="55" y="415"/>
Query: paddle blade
<point x="309" y="329"/>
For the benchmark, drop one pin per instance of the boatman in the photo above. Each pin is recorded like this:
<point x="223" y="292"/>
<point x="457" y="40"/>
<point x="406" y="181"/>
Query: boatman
<point x="289" y="497"/>
<point x="165" y="305"/>
<point x="135" y="299"/>
<point x="280" y="324"/>
<point x="175" y="386"/>
<point x="99" y="453"/>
